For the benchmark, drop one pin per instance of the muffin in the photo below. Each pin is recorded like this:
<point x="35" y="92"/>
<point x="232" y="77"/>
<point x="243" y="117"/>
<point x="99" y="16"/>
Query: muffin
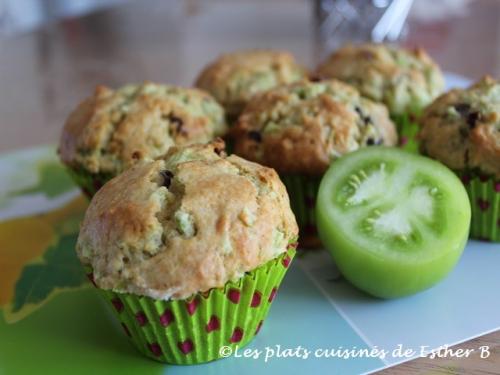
<point x="189" y="250"/>
<point x="235" y="77"/>
<point x="404" y="80"/>
<point x="461" y="129"/>
<point x="299" y="129"/>
<point x="112" y="129"/>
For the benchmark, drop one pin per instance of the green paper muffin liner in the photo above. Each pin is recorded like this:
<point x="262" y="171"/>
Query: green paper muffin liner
<point x="88" y="182"/>
<point x="229" y="145"/>
<point x="303" y="191"/>
<point x="484" y="195"/>
<point x="193" y="331"/>
<point x="407" y="129"/>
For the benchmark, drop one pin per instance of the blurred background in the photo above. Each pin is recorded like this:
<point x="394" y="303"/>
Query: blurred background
<point x="54" y="52"/>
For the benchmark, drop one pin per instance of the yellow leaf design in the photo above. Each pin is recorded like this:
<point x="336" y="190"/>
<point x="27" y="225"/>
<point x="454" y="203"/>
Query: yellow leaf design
<point x="24" y="240"/>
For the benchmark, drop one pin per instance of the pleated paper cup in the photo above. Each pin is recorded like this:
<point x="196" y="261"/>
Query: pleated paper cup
<point x="407" y="128"/>
<point x="88" y="182"/>
<point x="194" y="330"/>
<point x="303" y="191"/>
<point x="484" y="195"/>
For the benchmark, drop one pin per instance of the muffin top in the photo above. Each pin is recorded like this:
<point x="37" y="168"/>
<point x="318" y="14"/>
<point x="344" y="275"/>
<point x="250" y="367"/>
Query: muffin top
<point x="462" y="128"/>
<point x="185" y="223"/>
<point x="235" y="77"/>
<point x="404" y="80"/>
<point x="302" y="127"/>
<point x="113" y="128"/>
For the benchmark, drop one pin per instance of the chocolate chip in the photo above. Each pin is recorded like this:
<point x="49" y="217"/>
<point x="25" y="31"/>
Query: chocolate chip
<point x="463" y="109"/>
<point x="254" y="135"/>
<point x="366" y="119"/>
<point x="175" y="121"/>
<point x="302" y="94"/>
<point x="167" y="178"/>
<point x="219" y="151"/>
<point x="315" y="78"/>
<point x="472" y="119"/>
<point x="367" y="55"/>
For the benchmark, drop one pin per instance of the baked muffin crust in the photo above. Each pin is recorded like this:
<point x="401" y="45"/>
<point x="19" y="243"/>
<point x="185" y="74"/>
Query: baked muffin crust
<point x="405" y="80"/>
<point x="461" y="128"/>
<point x="185" y="223"/>
<point x="234" y="78"/>
<point x="108" y="131"/>
<point x="301" y="127"/>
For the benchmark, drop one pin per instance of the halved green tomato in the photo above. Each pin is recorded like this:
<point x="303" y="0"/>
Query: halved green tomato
<point x="396" y="223"/>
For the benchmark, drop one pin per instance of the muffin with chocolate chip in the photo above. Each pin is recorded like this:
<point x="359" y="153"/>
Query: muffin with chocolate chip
<point x="112" y="129"/>
<point x="299" y="129"/>
<point x="189" y="249"/>
<point x="234" y="78"/>
<point x="462" y="130"/>
<point x="404" y="80"/>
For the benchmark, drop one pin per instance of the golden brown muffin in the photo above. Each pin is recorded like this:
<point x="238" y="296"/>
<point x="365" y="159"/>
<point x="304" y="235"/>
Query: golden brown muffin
<point x="185" y="223"/>
<point x="113" y="128"/>
<point x="405" y="80"/>
<point x="235" y="77"/>
<point x="300" y="128"/>
<point x="462" y="128"/>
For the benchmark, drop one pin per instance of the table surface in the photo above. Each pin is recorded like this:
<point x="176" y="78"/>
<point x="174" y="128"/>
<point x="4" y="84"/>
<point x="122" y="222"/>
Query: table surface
<point x="44" y="73"/>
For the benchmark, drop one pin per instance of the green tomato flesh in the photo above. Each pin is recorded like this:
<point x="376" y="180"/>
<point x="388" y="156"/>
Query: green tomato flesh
<point x="395" y="223"/>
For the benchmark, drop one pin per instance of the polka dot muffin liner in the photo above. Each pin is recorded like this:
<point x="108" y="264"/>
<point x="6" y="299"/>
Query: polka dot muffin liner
<point x="407" y="128"/>
<point x="229" y="144"/>
<point x="484" y="195"/>
<point x="193" y="330"/>
<point x="303" y="191"/>
<point x="88" y="182"/>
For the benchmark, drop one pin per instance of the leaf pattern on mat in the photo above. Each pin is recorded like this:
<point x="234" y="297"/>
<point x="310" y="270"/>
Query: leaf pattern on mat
<point x="59" y="269"/>
<point x="53" y="180"/>
<point x="30" y="247"/>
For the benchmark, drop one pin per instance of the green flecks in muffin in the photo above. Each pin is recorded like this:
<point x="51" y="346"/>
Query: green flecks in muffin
<point x="303" y="100"/>
<point x="300" y="102"/>
<point x="272" y="127"/>
<point x="405" y="80"/>
<point x="177" y="220"/>
<point x="244" y="83"/>
<point x="279" y="241"/>
<point x="370" y="136"/>
<point x="185" y="223"/>
<point x="397" y="96"/>
<point x="260" y="81"/>
<point x="402" y="60"/>
<point x="176" y="109"/>
<point x="405" y="59"/>
<point x="226" y="247"/>
<point x="452" y="113"/>
<point x="182" y="156"/>
<point x="305" y="92"/>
